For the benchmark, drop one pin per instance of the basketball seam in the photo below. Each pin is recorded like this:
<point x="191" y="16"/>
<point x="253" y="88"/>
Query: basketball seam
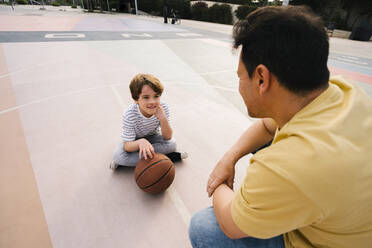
<point x="148" y="167"/>
<point x="148" y="186"/>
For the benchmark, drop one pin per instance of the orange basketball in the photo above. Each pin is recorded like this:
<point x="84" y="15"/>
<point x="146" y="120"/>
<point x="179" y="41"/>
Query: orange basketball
<point x="154" y="175"/>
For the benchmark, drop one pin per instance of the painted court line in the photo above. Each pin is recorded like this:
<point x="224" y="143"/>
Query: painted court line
<point x="118" y="97"/>
<point x="32" y="67"/>
<point x="179" y="204"/>
<point x="188" y="34"/>
<point x="49" y="98"/>
<point x="64" y="35"/>
<point x="136" y="35"/>
<point x="96" y="88"/>
<point x="353" y="75"/>
<point x="215" y="72"/>
<point x="217" y="43"/>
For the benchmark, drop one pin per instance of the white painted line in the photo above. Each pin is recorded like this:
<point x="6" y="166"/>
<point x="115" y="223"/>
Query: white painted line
<point x="179" y="204"/>
<point x="224" y="88"/>
<point x="31" y="67"/>
<point x="117" y="95"/>
<point x="49" y="98"/>
<point x="136" y="35"/>
<point x="217" y="43"/>
<point x="188" y="34"/>
<point x="64" y="35"/>
<point x="215" y="72"/>
<point x="354" y="61"/>
<point x="349" y="63"/>
<point x="349" y="57"/>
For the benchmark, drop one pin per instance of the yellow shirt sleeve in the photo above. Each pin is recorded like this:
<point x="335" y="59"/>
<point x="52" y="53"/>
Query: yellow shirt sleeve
<point x="267" y="205"/>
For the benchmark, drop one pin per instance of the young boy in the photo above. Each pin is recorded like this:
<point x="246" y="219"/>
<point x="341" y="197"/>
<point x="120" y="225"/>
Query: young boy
<point x="146" y="127"/>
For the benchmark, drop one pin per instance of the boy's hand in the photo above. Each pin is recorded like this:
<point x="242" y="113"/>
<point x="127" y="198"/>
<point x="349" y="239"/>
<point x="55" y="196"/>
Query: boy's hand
<point x="145" y="149"/>
<point x="224" y="172"/>
<point x="160" y="113"/>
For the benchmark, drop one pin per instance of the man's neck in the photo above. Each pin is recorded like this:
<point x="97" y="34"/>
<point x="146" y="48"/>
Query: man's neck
<point x="290" y="104"/>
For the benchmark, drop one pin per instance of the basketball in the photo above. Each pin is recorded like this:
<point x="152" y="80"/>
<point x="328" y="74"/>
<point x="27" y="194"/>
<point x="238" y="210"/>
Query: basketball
<point x="155" y="174"/>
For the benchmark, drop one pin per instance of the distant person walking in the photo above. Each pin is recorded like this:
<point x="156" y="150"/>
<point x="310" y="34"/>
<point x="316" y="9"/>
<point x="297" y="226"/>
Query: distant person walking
<point x="165" y="13"/>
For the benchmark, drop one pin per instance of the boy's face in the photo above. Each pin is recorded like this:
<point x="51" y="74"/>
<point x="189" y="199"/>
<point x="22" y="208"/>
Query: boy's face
<point x="148" y="101"/>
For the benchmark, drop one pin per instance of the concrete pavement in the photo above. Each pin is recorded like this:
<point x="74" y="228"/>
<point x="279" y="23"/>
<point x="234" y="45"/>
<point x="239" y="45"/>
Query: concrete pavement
<point x="64" y="79"/>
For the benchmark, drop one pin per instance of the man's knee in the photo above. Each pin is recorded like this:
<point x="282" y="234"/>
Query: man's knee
<point x="195" y="230"/>
<point x="202" y="227"/>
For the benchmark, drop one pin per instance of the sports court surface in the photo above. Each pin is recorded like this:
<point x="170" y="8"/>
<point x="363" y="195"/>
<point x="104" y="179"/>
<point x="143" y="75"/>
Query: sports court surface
<point x="64" y="79"/>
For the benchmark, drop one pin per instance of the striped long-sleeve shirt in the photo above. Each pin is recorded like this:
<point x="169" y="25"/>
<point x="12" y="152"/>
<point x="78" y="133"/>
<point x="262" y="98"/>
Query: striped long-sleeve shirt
<point x="136" y="126"/>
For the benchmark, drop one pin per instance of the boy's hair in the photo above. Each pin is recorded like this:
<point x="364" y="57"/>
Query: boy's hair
<point x="140" y="80"/>
<point x="290" y="41"/>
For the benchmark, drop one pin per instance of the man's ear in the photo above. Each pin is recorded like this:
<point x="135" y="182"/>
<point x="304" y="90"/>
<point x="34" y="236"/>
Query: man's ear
<point x="262" y="78"/>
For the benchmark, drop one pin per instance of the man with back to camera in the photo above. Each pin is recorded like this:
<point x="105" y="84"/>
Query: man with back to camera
<point x="312" y="187"/>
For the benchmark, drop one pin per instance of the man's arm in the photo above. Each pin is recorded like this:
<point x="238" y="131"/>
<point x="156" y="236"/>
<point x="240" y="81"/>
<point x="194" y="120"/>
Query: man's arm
<point x="222" y="199"/>
<point x="257" y="135"/>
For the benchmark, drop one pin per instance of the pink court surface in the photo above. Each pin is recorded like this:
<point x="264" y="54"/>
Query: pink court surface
<point x="64" y="78"/>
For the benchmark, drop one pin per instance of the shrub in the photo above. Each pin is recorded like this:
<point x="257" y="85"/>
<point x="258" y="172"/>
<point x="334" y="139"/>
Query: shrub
<point x="242" y="11"/>
<point x="150" y="6"/>
<point x="56" y="4"/>
<point x="73" y="6"/>
<point x="22" y="2"/>
<point x="226" y="14"/>
<point x="199" y="11"/>
<point x="234" y="1"/>
<point x="220" y="13"/>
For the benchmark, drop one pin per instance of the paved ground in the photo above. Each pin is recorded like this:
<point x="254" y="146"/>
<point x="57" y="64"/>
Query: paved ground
<point x="63" y="85"/>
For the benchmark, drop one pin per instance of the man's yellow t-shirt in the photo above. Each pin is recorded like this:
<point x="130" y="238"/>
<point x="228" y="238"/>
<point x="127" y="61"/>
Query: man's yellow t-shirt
<point x="314" y="183"/>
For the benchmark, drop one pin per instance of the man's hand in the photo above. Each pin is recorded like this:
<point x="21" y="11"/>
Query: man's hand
<point x="160" y="113"/>
<point x="145" y="149"/>
<point x="224" y="172"/>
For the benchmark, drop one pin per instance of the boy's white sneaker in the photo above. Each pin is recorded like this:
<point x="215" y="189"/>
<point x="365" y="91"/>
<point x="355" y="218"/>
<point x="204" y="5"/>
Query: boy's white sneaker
<point x="177" y="156"/>
<point x="184" y="155"/>
<point x="113" y="165"/>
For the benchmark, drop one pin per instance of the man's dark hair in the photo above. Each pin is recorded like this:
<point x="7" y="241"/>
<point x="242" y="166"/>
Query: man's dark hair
<point x="290" y="41"/>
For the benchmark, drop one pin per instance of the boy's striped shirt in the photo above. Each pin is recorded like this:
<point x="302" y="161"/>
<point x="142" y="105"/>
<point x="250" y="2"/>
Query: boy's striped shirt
<point x="136" y="126"/>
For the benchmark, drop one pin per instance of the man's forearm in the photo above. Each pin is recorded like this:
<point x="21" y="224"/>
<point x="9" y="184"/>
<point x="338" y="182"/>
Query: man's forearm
<point x="253" y="138"/>
<point x="222" y="199"/>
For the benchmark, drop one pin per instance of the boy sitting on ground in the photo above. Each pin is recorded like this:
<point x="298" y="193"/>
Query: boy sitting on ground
<point x="146" y="125"/>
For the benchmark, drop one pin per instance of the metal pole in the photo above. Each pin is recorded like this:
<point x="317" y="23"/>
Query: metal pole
<point x="135" y="4"/>
<point x="42" y="2"/>
<point x="82" y="4"/>
<point x="108" y="6"/>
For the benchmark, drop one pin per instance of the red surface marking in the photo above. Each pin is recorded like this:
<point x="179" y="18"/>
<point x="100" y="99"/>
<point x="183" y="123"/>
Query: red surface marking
<point x="38" y="23"/>
<point x="354" y="75"/>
